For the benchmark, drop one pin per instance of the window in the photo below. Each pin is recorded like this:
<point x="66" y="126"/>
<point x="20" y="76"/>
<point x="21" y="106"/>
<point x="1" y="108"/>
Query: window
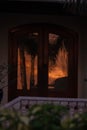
<point x="57" y="61"/>
<point x="27" y="61"/>
<point x="43" y="61"/>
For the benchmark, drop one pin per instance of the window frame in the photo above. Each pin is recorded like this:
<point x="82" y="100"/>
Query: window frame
<point x="12" y="60"/>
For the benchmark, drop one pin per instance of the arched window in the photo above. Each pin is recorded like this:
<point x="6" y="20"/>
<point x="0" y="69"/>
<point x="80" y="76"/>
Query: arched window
<point x="42" y="61"/>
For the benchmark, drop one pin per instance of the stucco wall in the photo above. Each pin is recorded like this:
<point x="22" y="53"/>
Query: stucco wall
<point x="78" y="24"/>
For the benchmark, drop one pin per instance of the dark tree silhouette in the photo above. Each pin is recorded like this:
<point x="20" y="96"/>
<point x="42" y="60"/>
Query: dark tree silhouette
<point x="30" y="45"/>
<point x="22" y="66"/>
<point x="3" y="81"/>
<point x="54" y="48"/>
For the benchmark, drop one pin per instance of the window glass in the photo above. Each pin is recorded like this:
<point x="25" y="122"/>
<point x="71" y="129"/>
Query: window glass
<point x="27" y="61"/>
<point x="58" y="61"/>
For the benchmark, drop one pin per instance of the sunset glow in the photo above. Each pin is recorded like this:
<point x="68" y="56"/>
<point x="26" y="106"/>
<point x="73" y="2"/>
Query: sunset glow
<point x="55" y="71"/>
<point x="28" y="70"/>
<point x="60" y="69"/>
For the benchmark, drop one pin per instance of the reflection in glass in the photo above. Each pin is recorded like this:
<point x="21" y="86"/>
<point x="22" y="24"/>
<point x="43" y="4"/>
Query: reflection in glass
<point x="58" y="61"/>
<point x="27" y="61"/>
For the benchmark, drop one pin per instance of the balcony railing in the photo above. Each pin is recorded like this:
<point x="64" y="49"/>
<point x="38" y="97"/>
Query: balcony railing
<point x="23" y="103"/>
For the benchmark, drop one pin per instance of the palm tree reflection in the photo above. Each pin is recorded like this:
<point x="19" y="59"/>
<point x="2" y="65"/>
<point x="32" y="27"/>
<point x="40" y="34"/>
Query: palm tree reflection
<point x="29" y="45"/>
<point x="31" y="48"/>
<point x="57" y="65"/>
<point x="58" y="60"/>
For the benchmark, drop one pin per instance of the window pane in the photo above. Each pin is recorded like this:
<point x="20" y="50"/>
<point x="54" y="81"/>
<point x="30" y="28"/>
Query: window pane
<point x="58" y="62"/>
<point x="27" y="61"/>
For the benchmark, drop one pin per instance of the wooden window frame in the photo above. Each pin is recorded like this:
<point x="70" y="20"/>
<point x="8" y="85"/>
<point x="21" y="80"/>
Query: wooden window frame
<point x="12" y="61"/>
